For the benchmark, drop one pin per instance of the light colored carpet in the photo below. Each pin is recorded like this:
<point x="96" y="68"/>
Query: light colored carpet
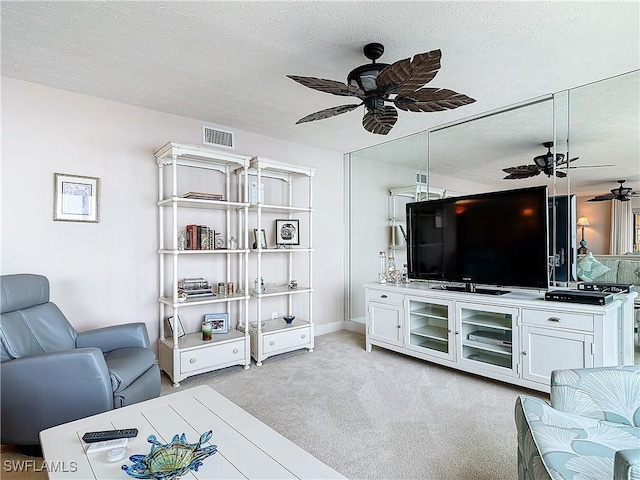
<point x="378" y="415"/>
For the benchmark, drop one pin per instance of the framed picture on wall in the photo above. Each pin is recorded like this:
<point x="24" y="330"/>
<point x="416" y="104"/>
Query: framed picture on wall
<point x="75" y="198"/>
<point x="219" y="322"/>
<point x="287" y="232"/>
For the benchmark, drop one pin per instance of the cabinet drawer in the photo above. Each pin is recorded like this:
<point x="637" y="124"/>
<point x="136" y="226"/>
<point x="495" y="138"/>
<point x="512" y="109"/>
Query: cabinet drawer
<point x="386" y="297"/>
<point x="211" y="356"/>
<point x="575" y="321"/>
<point x="277" y="341"/>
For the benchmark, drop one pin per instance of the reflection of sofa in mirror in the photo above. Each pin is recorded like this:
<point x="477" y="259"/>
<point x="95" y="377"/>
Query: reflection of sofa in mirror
<point x="623" y="269"/>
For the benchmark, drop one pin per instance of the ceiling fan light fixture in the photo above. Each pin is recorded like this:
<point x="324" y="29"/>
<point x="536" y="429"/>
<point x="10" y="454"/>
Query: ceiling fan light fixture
<point x="364" y="76"/>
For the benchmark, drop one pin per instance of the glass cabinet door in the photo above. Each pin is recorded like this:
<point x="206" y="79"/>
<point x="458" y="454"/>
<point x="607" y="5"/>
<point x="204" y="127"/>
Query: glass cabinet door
<point x="430" y="326"/>
<point x="488" y="337"/>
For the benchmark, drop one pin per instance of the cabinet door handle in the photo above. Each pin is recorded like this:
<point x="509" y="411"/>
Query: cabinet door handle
<point x="457" y="333"/>
<point x="524" y="352"/>
<point x="553" y="319"/>
<point x="235" y="350"/>
<point x="192" y="360"/>
<point x="383" y="296"/>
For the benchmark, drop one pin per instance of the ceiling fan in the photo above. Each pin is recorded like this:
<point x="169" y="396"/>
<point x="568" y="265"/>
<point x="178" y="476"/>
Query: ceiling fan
<point x="376" y="83"/>
<point x="621" y="193"/>
<point x="545" y="164"/>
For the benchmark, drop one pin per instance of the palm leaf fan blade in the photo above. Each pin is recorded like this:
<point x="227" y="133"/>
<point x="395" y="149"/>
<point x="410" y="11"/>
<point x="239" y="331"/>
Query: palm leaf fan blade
<point x="380" y="123"/>
<point x="328" y="86"/>
<point x="432" y="100"/>
<point x="328" y="112"/>
<point x="602" y="198"/>
<point x="406" y="76"/>
<point x="521" y="171"/>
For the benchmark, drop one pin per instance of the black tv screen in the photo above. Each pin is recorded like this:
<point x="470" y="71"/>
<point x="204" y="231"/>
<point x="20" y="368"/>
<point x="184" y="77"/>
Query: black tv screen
<point x="497" y="238"/>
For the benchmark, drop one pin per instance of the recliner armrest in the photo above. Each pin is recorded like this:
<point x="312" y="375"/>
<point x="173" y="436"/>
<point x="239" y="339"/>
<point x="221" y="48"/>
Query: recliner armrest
<point x="114" y="337"/>
<point x="598" y="386"/>
<point x="47" y="390"/>
<point x="626" y="464"/>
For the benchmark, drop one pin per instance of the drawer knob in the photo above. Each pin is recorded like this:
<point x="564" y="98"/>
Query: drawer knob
<point x="303" y="336"/>
<point x="524" y="352"/>
<point x="272" y="343"/>
<point x="192" y="360"/>
<point x="383" y="296"/>
<point x="235" y="350"/>
<point x="554" y="319"/>
<point x="399" y="326"/>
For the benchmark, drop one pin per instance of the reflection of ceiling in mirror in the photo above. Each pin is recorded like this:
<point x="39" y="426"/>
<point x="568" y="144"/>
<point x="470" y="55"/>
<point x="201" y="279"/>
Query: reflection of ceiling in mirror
<point x="603" y="130"/>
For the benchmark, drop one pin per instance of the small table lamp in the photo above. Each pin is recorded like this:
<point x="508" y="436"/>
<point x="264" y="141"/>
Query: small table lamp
<point x="583" y="222"/>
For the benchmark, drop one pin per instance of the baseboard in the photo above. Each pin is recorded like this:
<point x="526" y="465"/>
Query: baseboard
<point x="337" y="326"/>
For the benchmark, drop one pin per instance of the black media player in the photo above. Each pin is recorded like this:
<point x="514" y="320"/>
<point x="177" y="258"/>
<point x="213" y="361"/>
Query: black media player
<point x="606" y="287"/>
<point x="579" y="296"/>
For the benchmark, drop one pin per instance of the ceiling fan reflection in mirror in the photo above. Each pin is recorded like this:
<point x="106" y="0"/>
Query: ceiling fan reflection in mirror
<point x="545" y="164"/>
<point x="622" y="194"/>
<point x="400" y="83"/>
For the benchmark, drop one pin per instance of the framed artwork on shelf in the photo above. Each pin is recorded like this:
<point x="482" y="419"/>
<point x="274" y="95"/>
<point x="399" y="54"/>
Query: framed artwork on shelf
<point x="263" y="238"/>
<point x="287" y="232"/>
<point x="75" y="198"/>
<point x="219" y="322"/>
<point x="172" y="325"/>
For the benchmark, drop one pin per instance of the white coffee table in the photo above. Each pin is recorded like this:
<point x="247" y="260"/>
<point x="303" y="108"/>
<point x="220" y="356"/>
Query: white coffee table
<point x="247" y="448"/>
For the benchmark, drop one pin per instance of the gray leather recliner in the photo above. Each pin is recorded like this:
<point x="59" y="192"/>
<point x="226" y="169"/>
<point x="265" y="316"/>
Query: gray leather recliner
<point x="50" y="374"/>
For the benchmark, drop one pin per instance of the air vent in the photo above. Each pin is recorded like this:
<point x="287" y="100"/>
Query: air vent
<point x="217" y="137"/>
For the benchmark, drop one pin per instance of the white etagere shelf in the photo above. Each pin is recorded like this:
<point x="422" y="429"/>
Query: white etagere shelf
<point x="181" y="357"/>
<point x="273" y="336"/>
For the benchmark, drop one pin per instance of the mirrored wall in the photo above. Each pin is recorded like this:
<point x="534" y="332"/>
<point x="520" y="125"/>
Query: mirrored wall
<point x="594" y="128"/>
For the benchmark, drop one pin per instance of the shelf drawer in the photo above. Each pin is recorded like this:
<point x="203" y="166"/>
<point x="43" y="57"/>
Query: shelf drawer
<point x="542" y="318"/>
<point x="386" y="297"/>
<point x="277" y="341"/>
<point x="211" y="356"/>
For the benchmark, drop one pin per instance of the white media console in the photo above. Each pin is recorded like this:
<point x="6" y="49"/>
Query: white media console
<point x="517" y="337"/>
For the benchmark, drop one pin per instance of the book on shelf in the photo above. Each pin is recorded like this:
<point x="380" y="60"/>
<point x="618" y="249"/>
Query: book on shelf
<point x="205" y="292"/>
<point x="199" y="237"/>
<point x="193" y="284"/>
<point x="203" y="196"/>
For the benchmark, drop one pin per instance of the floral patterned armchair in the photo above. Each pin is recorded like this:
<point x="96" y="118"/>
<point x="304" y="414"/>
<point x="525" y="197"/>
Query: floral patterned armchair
<point x="590" y="430"/>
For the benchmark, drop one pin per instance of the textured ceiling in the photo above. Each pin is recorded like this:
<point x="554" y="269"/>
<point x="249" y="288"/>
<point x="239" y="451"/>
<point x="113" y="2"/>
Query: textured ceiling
<point x="225" y="62"/>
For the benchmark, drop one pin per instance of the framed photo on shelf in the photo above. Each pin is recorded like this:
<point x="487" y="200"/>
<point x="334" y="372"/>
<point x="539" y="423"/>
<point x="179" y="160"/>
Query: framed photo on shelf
<point x="287" y="232"/>
<point x="262" y="237"/>
<point x="75" y="198"/>
<point x="219" y="322"/>
<point x="172" y="326"/>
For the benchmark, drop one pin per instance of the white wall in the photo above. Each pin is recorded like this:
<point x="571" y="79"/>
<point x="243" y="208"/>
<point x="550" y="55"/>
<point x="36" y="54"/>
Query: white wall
<point x="106" y="273"/>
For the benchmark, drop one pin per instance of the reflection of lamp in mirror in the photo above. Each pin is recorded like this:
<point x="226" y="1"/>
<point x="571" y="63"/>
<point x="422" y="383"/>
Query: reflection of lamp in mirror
<point x="583" y="222"/>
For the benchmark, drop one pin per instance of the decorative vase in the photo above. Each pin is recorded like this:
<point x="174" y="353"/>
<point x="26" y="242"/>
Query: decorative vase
<point x="382" y="272"/>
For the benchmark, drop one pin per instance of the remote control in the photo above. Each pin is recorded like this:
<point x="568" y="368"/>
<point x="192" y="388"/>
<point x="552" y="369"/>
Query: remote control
<point x="93" y="437"/>
<point x="107" y="445"/>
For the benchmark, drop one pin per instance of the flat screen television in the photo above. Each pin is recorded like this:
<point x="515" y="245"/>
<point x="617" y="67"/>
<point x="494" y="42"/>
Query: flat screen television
<point x="497" y="238"/>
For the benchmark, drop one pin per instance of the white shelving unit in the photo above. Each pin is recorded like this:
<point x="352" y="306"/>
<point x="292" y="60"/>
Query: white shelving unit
<point x="288" y="190"/>
<point x="184" y="356"/>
